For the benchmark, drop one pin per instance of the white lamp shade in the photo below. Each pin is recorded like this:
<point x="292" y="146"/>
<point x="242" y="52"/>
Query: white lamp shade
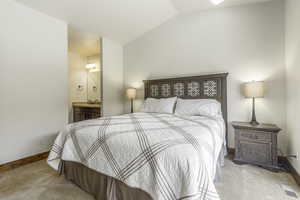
<point x="254" y="89"/>
<point x="131" y="93"/>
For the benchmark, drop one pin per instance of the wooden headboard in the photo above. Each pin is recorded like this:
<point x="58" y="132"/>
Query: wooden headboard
<point x="212" y="86"/>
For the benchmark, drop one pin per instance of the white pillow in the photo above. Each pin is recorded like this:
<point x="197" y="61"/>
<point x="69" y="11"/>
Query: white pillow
<point x="164" y="105"/>
<point x="196" y="107"/>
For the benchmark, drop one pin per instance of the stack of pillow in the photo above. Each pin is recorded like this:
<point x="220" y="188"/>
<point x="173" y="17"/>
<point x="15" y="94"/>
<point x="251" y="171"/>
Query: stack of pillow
<point x="187" y="107"/>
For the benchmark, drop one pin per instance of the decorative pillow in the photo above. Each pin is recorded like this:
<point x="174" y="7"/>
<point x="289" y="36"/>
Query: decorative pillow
<point x="163" y="105"/>
<point x="196" y="107"/>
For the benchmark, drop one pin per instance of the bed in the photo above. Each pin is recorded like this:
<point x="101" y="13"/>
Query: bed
<point x="149" y="156"/>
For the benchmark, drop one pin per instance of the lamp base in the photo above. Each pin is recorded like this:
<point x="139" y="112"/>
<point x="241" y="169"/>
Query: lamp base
<point x="131" y="102"/>
<point x="254" y="123"/>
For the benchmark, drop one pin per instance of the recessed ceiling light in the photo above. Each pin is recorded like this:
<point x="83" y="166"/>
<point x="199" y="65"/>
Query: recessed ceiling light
<point x="216" y="2"/>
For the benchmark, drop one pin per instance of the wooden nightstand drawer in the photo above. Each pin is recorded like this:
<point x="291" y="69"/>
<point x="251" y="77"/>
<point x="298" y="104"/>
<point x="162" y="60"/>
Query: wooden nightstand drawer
<point x="257" y="136"/>
<point x="258" y="153"/>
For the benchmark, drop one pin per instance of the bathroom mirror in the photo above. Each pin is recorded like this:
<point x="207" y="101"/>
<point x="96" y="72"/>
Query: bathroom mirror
<point x="93" y="79"/>
<point x="93" y="85"/>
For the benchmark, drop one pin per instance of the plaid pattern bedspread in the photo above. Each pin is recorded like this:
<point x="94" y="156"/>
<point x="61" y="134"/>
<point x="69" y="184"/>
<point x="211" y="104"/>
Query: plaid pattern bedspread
<point x="170" y="157"/>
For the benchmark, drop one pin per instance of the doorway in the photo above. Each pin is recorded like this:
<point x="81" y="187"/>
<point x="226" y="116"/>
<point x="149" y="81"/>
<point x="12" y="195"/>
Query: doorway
<point x="85" y="76"/>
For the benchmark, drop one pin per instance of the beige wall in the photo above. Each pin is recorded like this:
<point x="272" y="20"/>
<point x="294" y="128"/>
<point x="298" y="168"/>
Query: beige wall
<point x="293" y="78"/>
<point x="244" y="41"/>
<point x="33" y="80"/>
<point x="113" y="88"/>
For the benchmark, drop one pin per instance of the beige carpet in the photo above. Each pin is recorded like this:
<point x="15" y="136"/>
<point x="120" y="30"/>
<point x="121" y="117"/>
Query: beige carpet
<point x="38" y="182"/>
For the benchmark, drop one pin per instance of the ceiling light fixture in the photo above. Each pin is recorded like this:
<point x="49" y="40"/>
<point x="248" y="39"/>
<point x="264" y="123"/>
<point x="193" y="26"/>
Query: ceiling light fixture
<point x="90" y="66"/>
<point x="216" y="2"/>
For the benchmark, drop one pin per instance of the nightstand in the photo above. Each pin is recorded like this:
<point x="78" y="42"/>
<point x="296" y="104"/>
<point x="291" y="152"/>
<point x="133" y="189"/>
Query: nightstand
<point x="256" y="144"/>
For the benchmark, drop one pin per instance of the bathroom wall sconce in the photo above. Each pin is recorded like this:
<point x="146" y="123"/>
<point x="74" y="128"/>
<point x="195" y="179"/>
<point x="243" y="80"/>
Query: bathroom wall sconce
<point x="80" y="87"/>
<point x="94" y="88"/>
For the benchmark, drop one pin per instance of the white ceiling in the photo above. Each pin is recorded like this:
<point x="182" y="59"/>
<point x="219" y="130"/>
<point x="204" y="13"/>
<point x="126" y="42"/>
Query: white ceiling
<point x="120" y="20"/>
<point x="197" y="5"/>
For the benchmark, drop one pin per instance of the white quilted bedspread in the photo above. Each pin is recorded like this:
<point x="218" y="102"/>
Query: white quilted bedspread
<point x="168" y="156"/>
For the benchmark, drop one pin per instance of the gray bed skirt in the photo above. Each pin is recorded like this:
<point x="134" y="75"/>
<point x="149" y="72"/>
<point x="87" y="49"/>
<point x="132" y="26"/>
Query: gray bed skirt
<point x="102" y="187"/>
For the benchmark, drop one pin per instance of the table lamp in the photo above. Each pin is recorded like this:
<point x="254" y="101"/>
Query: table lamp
<point x="131" y="94"/>
<point x="254" y="89"/>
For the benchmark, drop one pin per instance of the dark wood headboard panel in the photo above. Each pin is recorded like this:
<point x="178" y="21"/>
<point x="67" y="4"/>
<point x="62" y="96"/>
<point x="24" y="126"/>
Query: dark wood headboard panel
<point x="212" y="86"/>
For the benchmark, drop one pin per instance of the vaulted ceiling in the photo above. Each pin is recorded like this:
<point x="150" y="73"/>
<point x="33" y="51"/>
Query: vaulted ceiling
<point x="120" y="20"/>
